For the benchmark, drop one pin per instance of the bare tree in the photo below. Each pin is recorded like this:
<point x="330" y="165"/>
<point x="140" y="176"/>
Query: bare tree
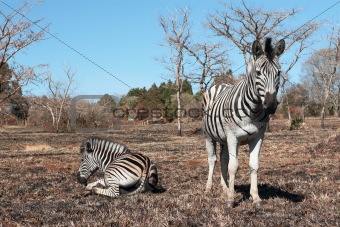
<point x="59" y="97"/>
<point x="212" y="62"/>
<point x="323" y="69"/>
<point x="243" y="24"/>
<point x="177" y="33"/>
<point x="93" y="115"/>
<point x="17" y="32"/>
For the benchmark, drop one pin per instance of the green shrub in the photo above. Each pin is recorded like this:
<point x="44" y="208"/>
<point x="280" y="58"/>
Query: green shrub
<point x="296" y="123"/>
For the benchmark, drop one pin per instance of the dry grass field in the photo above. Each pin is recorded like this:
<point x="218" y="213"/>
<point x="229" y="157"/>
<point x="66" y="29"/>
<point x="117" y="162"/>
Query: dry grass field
<point x="299" y="180"/>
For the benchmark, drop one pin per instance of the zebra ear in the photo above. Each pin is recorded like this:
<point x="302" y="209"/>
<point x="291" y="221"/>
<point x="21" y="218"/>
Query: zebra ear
<point x="279" y="47"/>
<point x="257" y="48"/>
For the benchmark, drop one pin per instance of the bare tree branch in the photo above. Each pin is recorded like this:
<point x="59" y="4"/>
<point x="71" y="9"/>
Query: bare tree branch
<point x="17" y="33"/>
<point x="211" y="60"/>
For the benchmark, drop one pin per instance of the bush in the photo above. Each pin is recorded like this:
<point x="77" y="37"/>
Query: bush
<point x="313" y="109"/>
<point x="296" y="123"/>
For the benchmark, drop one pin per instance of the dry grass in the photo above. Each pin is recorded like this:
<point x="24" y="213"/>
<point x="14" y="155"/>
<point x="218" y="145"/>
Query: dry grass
<point x="298" y="180"/>
<point x="37" y="147"/>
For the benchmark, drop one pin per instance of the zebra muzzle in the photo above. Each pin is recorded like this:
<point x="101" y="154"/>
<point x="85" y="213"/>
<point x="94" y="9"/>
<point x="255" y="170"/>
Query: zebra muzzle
<point x="270" y="103"/>
<point x="81" y="179"/>
<point x="271" y="109"/>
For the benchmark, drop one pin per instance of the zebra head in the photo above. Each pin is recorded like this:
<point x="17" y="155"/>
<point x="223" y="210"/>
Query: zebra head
<point x="266" y="70"/>
<point x="88" y="163"/>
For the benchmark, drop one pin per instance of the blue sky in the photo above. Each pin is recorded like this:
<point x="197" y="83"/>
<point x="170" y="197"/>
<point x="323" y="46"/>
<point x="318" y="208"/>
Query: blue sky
<point x="123" y="36"/>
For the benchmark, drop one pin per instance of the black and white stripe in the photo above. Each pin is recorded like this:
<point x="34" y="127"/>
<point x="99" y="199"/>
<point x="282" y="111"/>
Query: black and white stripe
<point x="125" y="172"/>
<point x="238" y="114"/>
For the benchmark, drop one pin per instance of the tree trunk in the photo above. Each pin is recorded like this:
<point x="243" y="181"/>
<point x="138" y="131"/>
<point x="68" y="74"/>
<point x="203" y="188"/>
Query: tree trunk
<point x="179" y="113"/>
<point x="57" y="125"/>
<point x="337" y="108"/>
<point x="285" y="98"/>
<point x="323" y="117"/>
<point x="53" y="120"/>
<point x="58" y="120"/>
<point x="303" y="113"/>
<point x="326" y="94"/>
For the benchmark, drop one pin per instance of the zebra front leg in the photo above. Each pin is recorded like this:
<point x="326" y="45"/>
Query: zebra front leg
<point x="96" y="183"/>
<point x="211" y="149"/>
<point x="254" y="149"/>
<point x="232" y="169"/>
<point x="112" y="191"/>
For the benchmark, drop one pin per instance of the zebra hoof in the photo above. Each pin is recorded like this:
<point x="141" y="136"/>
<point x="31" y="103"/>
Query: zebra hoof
<point x="230" y="204"/>
<point x="257" y="204"/>
<point x="87" y="193"/>
<point x="94" y="191"/>
<point x="88" y="188"/>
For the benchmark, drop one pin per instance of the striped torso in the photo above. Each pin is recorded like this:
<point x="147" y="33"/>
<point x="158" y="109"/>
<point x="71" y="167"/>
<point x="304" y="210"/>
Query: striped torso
<point x="229" y="110"/>
<point x="127" y="168"/>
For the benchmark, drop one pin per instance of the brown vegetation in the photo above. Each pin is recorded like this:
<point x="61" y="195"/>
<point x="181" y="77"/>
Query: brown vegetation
<point x="298" y="180"/>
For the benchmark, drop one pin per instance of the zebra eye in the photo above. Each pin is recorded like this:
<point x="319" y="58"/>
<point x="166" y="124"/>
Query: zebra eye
<point x="258" y="73"/>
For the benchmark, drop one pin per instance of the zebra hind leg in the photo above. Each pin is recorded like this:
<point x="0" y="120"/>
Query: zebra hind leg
<point x="224" y="159"/>
<point x="232" y="169"/>
<point x="153" y="180"/>
<point x="141" y="188"/>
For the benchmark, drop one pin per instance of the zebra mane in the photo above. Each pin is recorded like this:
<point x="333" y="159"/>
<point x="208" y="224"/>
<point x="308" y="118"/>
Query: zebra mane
<point x="268" y="48"/>
<point x="89" y="140"/>
<point x="93" y="139"/>
<point x="83" y="146"/>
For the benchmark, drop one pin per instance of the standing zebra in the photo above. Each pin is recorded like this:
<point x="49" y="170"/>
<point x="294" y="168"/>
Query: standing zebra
<point x="124" y="172"/>
<point x="238" y="114"/>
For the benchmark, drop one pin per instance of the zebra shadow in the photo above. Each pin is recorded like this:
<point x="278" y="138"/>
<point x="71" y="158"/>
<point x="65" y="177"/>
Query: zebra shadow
<point x="127" y="190"/>
<point x="267" y="191"/>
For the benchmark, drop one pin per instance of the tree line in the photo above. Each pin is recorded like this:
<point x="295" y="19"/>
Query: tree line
<point x="204" y="61"/>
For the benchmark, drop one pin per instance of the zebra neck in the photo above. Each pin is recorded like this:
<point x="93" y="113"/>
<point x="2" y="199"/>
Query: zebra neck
<point x="103" y="162"/>
<point x="251" y="103"/>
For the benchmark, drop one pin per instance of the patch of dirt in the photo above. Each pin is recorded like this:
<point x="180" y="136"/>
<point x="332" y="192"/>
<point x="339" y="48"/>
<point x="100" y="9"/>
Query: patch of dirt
<point x="37" y="147"/>
<point x="193" y="163"/>
<point x="331" y="144"/>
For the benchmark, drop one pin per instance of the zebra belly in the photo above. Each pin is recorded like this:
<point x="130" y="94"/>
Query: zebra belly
<point x="242" y="132"/>
<point x="246" y="134"/>
<point x="115" y="177"/>
<point x="128" y="182"/>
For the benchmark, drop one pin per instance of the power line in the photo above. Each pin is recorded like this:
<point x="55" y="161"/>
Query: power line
<point x="69" y="46"/>
<point x="313" y="18"/>
<point x="330" y="7"/>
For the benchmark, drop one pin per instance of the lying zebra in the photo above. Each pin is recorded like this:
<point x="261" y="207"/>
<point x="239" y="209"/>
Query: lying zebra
<point x="125" y="172"/>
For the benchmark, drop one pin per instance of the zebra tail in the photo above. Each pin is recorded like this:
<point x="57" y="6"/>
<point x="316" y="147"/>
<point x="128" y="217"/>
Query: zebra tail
<point x="153" y="180"/>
